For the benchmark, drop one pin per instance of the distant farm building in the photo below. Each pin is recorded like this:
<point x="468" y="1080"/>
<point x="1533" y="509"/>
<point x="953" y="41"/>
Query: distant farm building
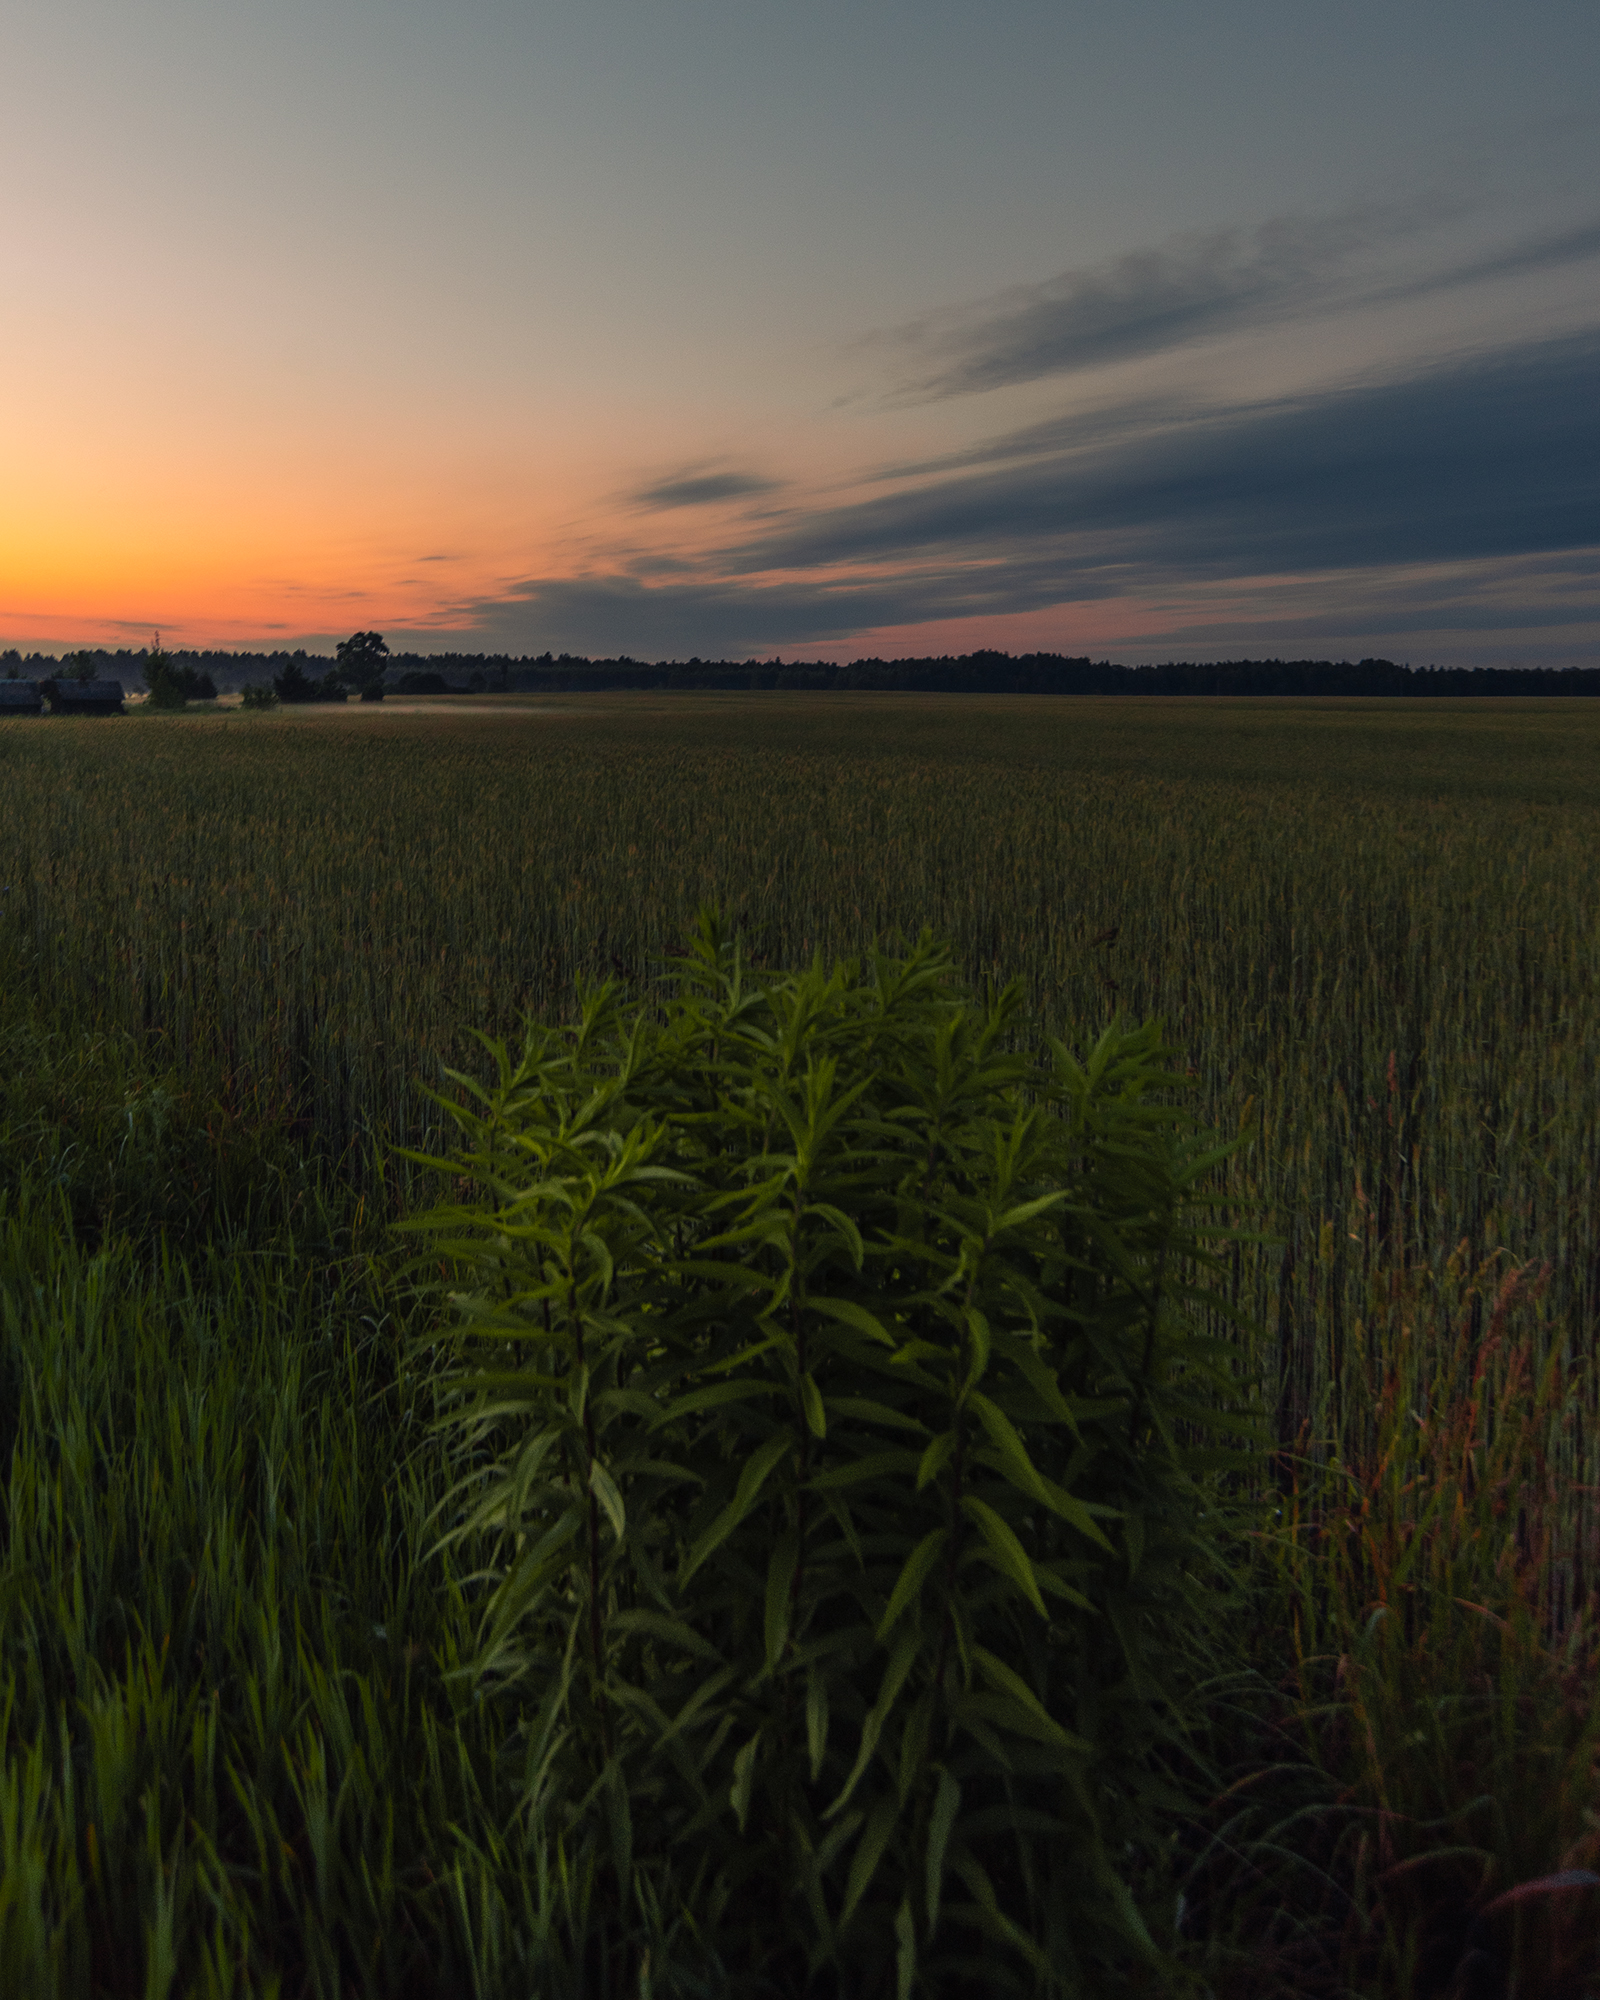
<point x="20" y="698"/>
<point x="83" y="697"/>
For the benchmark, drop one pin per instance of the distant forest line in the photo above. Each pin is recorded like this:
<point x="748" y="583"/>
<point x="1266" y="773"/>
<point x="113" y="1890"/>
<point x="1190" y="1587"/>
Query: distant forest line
<point x="968" y="673"/>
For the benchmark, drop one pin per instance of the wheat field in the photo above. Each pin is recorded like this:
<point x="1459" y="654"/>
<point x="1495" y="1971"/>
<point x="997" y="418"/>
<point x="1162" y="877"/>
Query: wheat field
<point x="1372" y="930"/>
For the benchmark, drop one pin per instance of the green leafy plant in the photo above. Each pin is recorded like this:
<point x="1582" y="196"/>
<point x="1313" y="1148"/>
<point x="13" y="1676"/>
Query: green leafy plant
<point x="294" y="684"/>
<point x="258" y="695"/>
<point x="838" y="1421"/>
<point x="172" y="685"/>
<point x="164" y="680"/>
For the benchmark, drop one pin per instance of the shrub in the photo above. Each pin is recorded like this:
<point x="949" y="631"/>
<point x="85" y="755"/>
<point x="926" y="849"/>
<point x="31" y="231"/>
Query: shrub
<point x="172" y="685"/>
<point x="165" y="679"/>
<point x="258" y="695"/>
<point x="834" y="1403"/>
<point x="294" y="684"/>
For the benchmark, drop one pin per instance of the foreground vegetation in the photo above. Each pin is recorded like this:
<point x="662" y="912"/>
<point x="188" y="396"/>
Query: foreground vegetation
<point x="237" y="951"/>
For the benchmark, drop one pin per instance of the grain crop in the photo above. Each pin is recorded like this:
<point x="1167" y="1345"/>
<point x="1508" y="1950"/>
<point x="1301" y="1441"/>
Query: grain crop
<point x="1372" y="930"/>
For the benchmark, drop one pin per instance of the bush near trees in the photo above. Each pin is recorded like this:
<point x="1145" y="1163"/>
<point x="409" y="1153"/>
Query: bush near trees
<point x="839" y="1408"/>
<point x="170" y="685"/>
<point x="294" y="684"/>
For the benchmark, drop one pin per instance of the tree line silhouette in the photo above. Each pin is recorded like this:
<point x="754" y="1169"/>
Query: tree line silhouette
<point x="364" y="666"/>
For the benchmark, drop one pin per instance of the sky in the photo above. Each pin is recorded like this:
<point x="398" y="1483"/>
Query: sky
<point x="739" y="329"/>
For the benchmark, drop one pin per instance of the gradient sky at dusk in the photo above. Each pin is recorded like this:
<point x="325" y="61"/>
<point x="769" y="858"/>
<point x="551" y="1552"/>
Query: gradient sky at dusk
<point x="726" y="327"/>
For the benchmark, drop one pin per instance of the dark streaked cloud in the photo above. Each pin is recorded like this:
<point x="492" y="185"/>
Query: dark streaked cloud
<point x="1519" y="260"/>
<point x="1198" y="287"/>
<point x="1076" y="430"/>
<point x="712" y="618"/>
<point x="1489" y="611"/>
<point x="1493" y="454"/>
<point x="1463" y="499"/>
<point x="702" y="489"/>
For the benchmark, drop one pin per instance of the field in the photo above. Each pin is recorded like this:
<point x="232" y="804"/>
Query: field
<point x="239" y="950"/>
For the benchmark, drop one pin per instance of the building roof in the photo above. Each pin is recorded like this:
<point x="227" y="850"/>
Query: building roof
<point x="64" y="695"/>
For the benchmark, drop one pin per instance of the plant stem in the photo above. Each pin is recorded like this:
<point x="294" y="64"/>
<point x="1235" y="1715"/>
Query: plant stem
<point x="594" y="1505"/>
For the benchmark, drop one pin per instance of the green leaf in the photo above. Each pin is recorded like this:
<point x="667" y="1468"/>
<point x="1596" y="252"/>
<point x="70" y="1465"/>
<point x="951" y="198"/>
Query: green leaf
<point x="811" y="1397"/>
<point x="751" y="1481"/>
<point x="1005" y="1680"/>
<point x="912" y="1576"/>
<point x="1040" y="1377"/>
<point x="875" y="1837"/>
<point x="780" y="1579"/>
<point x="744" y="1777"/>
<point x="914" y="1742"/>
<point x="838" y="1839"/>
<point x="604" y="1489"/>
<point x="1014" y="1460"/>
<point x="946" y="1804"/>
<point x="866" y="1411"/>
<point x="1133" y="1925"/>
<point x="934" y="1460"/>
<point x="1009" y="1555"/>
<point x="673" y="1631"/>
<point x="905" y="1957"/>
<point x="1019" y="1469"/>
<point x="994" y="1919"/>
<point x="1015" y="1217"/>
<point x="872" y="1466"/>
<point x="748" y="1354"/>
<point x="1079" y="1514"/>
<point x="901" y="1661"/>
<point x="846" y="1228"/>
<point x="718" y="1396"/>
<point x="1047" y="1580"/>
<point x="978" y="1333"/>
<point x="619" y="1823"/>
<point x="816" y="1721"/>
<point x="848" y="1313"/>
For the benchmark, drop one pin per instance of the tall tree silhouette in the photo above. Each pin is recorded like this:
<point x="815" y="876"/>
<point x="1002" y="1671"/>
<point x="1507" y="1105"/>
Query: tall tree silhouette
<point x="362" y="659"/>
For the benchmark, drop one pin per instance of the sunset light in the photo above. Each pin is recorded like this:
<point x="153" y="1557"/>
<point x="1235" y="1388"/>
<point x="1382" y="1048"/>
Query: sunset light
<point x="512" y="329"/>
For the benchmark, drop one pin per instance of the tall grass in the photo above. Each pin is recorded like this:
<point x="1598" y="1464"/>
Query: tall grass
<point x="245" y="947"/>
<point x="221" y="1694"/>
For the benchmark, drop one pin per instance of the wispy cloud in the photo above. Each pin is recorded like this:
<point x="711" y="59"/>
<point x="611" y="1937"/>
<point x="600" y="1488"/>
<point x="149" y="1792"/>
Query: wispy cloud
<point x="1199" y="287"/>
<point x="1517" y="260"/>
<point x="702" y="489"/>
<point x="712" y="618"/>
